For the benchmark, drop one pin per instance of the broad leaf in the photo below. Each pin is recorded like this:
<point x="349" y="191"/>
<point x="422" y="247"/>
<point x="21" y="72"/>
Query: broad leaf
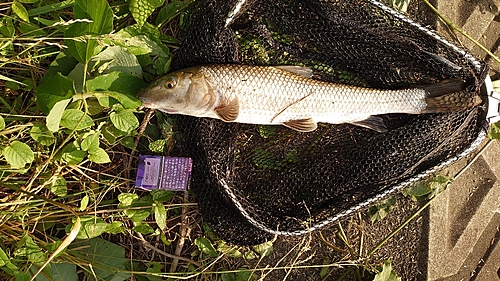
<point x="386" y="273"/>
<point x="107" y="259"/>
<point x="60" y="272"/>
<point x="170" y="11"/>
<point x="18" y="154"/>
<point x="20" y="11"/>
<point x="206" y="246"/>
<point x="381" y="210"/>
<point x="117" y="58"/>
<point x="53" y="89"/>
<point x="58" y="187"/>
<point x="99" y="156"/>
<point x="90" y="142"/>
<point x="75" y="119"/>
<point x="102" y="23"/>
<point x="2" y="123"/>
<point x="118" y="85"/>
<point x="494" y="131"/>
<point x="41" y="134"/>
<point x="143" y="228"/>
<point x="72" y="154"/>
<point x="126" y="199"/>
<point x="160" y="215"/>
<point x="28" y="248"/>
<point x="91" y="227"/>
<point x="124" y="120"/>
<point x="53" y="120"/>
<point x="265" y="249"/>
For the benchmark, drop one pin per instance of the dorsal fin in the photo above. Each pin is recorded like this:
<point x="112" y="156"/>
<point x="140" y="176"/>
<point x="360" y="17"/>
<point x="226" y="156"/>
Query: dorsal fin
<point x="229" y="112"/>
<point x="299" y="70"/>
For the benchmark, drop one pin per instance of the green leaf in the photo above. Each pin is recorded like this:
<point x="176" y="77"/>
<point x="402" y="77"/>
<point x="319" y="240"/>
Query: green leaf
<point x="75" y="119"/>
<point x="142" y="9"/>
<point x="244" y="275"/>
<point x="84" y="203"/>
<point x="128" y="142"/>
<point x="230" y="251"/>
<point x="494" y="131"/>
<point x="107" y="259"/>
<point x="228" y="276"/>
<point x="91" y="226"/>
<point x="18" y="154"/>
<point x="31" y="30"/>
<point x="90" y="142"/>
<point x="41" y="134"/>
<point x="2" y="123"/>
<point x="117" y="58"/>
<point x="124" y="120"/>
<point x="102" y="23"/>
<point x="115" y="227"/>
<point x="64" y="64"/>
<point x="143" y="228"/>
<point x="53" y="89"/>
<point x="170" y="11"/>
<point x="99" y="156"/>
<point x="386" y="273"/>
<point x="5" y="261"/>
<point x="126" y="199"/>
<point x="72" y="154"/>
<point x="138" y="216"/>
<point x="121" y="86"/>
<point x="381" y="210"/>
<point x="28" y="248"/>
<point x="160" y="215"/>
<point x="53" y="120"/>
<point x="58" y="187"/>
<point x="60" y="272"/>
<point x="206" y="246"/>
<point x="424" y="190"/>
<point x="20" y="11"/>
<point x="161" y="195"/>
<point x="265" y="249"/>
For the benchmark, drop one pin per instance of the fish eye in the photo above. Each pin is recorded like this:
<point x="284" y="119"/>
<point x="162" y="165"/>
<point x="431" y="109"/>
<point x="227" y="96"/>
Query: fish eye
<point x="170" y="83"/>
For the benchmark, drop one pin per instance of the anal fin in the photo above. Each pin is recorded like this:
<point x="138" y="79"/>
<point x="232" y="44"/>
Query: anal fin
<point x="229" y="112"/>
<point x="373" y="122"/>
<point x="302" y="125"/>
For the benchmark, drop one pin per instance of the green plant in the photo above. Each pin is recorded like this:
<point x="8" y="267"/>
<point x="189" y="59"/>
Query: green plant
<point x="68" y="78"/>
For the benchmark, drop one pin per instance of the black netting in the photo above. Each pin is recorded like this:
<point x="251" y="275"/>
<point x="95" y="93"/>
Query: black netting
<point x="249" y="177"/>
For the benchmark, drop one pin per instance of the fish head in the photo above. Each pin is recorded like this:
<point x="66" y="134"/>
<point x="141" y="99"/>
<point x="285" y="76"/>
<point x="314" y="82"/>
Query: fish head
<point x="181" y="92"/>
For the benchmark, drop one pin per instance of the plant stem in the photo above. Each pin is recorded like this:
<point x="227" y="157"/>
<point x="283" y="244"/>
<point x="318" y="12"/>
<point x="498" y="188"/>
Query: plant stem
<point x="454" y="27"/>
<point x="408" y="220"/>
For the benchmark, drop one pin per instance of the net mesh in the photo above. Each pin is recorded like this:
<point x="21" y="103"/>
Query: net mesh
<point x="255" y="181"/>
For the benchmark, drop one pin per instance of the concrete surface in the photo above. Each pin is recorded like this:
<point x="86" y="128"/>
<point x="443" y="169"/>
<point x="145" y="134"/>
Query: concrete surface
<point x="464" y="222"/>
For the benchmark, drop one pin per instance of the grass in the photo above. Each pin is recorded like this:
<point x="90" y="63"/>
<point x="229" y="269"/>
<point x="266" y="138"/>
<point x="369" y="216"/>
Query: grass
<point x="69" y="135"/>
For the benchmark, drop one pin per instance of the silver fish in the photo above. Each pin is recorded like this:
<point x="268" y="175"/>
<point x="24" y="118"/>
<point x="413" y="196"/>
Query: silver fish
<point x="287" y="95"/>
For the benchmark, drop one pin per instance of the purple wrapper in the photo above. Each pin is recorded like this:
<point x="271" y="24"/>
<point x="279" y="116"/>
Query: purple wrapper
<point x="163" y="172"/>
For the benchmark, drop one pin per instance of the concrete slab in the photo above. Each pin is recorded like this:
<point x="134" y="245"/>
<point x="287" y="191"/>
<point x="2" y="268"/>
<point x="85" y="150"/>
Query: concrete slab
<point x="464" y="220"/>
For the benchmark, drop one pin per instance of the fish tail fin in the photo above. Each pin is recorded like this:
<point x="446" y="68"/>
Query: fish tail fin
<point x="448" y="96"/>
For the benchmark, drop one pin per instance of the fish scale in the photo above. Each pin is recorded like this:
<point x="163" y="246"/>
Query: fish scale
<point x="288" y="95"/>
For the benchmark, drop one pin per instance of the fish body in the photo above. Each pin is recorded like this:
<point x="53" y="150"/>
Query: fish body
<point x="287" y="95"/>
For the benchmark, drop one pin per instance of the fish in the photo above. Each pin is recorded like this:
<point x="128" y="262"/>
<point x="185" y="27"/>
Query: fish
<point x="290" y="96"/>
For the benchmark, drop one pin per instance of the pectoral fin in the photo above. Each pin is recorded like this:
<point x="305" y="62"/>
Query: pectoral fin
<point x="302" y="125"/>
<point x="373" y="122"/>
<point x="229" y="112"/>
